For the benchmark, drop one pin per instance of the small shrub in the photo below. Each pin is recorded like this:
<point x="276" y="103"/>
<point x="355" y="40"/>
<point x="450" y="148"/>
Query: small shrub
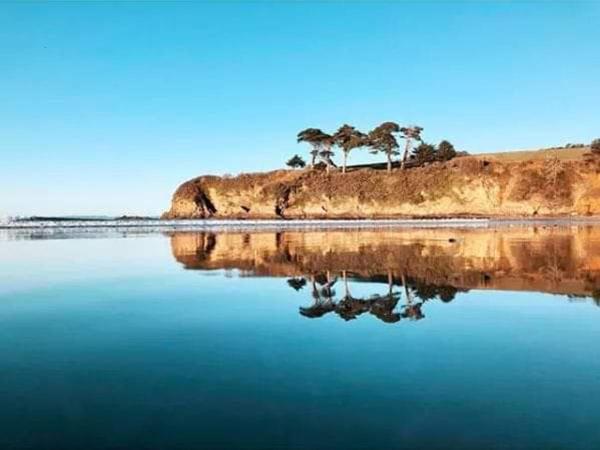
<point x="296" y="283"/>
<point x="424" y="153"/>
<point x="595" y="146"/>
<point x="296" y="162"/>
<point x="445" y="151"/>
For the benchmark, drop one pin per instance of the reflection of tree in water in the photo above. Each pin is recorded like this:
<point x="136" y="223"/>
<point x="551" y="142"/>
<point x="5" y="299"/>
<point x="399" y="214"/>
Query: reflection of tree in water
<point x="596" y="297"/>
<point x="383" y="306"/>
<point x="296" y="283"/>
<point x="322" y="295"/>
<point x="549" y="260"/>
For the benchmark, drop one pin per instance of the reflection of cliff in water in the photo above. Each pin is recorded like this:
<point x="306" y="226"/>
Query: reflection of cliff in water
<point x="418" y="265"/>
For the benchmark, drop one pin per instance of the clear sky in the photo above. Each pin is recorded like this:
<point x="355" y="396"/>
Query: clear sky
<point x="106" y="107"/>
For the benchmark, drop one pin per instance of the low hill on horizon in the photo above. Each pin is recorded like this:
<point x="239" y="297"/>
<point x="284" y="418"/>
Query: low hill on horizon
<point x="563" y="153"/>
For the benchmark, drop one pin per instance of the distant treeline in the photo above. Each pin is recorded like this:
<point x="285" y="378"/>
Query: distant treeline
<point x="381" y="140"/>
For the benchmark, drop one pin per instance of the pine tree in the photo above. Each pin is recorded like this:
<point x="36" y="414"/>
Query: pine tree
<point x="445" y="151"/>
<point x="424" y="153"/>
<point x="296" y="162"/>
<point x="382" y="139"/>
<point x="412" y="133"/>
<point x="348" y="138"/>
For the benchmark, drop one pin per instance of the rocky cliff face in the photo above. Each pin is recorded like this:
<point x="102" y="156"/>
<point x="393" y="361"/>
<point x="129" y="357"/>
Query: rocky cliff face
<point x="467" y="186"/>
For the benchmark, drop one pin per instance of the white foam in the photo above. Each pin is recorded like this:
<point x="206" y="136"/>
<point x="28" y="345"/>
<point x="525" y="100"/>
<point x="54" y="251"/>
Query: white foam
<point x="219" y="224"/>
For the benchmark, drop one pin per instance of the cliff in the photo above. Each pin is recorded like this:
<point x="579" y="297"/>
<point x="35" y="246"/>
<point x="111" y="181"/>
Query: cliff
<point x="531" y="184"/>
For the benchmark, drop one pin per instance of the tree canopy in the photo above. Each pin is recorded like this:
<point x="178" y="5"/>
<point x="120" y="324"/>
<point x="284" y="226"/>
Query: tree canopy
<point x="321" y="144"/>
<point x="410" y="134"/>
<point x="382" y="139"/>
<point x="314" y="137"/>
<point x="445" y="151"/>
<point x="348" y="138"/>
<point x="425" y="153"/>
<point x="296" y="162"/>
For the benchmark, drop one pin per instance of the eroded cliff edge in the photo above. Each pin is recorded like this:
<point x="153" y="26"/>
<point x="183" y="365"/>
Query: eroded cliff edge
<point x="467" y="186"/>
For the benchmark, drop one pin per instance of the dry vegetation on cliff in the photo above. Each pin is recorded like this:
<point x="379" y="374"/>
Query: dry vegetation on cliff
<point x="544" y="183"/>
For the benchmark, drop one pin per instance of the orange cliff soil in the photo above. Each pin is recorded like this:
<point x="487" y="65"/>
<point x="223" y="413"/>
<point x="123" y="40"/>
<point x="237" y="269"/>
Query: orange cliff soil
<point x="495" y="185"/>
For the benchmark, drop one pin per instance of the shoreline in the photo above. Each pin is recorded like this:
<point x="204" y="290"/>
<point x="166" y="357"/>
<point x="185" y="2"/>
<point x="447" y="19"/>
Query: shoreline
<point x="276" y="224"/>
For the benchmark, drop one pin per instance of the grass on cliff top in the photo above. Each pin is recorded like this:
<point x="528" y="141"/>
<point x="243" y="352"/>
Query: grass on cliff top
<point x="564" y="154"/>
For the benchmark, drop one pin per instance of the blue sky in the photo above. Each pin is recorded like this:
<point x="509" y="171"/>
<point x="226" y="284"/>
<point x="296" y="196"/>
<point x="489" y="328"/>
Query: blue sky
<point x="106" y="107"/>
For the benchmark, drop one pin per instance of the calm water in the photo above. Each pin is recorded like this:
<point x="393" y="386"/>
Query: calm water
<point x="317" y="340"/>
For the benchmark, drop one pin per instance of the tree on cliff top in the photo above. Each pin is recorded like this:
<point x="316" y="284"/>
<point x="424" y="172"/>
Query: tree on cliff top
<point x="321" y="144"/>
<point x="412" y="133"/>
<point x="382" y="140"/>
<point x="326" y="152"/>
<point x="296" y="162"/>
<point x="348" y="138"/>
<point x="313" y="137"/>
<point x="445" y="151"/>
<point x="425" y="153"/>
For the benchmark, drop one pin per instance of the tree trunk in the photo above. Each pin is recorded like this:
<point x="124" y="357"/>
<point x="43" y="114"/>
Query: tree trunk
<point x="406" y="291"/>
<point x="345" y="159"/>
<point x="389" y="163"/>
<point x="315" y="291"/>
<point x="405" y="156"/>
<point x="346" y="289"/>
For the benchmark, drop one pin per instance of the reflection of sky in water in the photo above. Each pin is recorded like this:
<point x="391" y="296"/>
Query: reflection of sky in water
<point x="107" y="343"/>
<point x="26" y="264"/>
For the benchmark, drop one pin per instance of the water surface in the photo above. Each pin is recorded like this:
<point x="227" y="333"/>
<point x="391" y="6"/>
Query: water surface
<point x="395" y="338"/>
